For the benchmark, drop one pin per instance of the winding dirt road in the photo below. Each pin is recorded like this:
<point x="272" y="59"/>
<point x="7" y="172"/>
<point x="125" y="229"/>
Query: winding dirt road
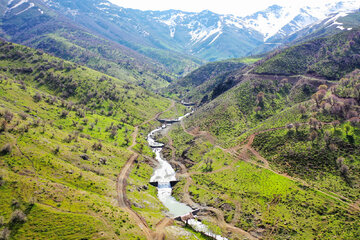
<point x="121" y="183"/>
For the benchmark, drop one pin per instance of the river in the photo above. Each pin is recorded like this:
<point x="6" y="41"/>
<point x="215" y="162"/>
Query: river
<point x="163" y="175"/>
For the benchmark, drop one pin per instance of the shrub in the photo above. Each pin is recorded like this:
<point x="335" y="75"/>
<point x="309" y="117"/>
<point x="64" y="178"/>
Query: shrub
<point x="84" y="156"/>
<point x="23" y="116"/>
<point x="6" y="149"/>
<point x="17" y="216"/>
<point x="97" y="146"/>
<point x="37" y="97"/>
<point x="57" y="149"/>
<point x="102" y="161"/>
<point x="5" y="234"/>
<point x="3" y="126"/>
<point x="344" y="170"/>
<point x="340" y="161"/>
<point x="64" y="114"/>
<point x="1" y="183"/>
<point x="113" y="133"/>
<point x="8" y="116"/>
<point x="85" y="121"/>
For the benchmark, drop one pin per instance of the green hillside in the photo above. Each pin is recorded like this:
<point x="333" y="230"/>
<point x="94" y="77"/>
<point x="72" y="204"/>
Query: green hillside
<point x="64" y="134"/>
<point x="331" y="57"/>
<point x="270" y="149"/>
<point x="277" y="157"/>
<point x="210" y="80"/>
<point x="55" y="34"/>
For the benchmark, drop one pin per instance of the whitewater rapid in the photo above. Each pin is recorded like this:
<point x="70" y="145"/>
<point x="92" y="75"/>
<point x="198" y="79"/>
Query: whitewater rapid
<point x="164" y="174"/>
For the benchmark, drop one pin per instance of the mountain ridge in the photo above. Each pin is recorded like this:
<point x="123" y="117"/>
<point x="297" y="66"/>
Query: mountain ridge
<point x="202" y="34"/>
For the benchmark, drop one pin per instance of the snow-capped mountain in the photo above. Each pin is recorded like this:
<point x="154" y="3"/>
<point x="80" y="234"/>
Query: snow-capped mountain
<point x="206" y="35"/>
<point x="277" y="22"/>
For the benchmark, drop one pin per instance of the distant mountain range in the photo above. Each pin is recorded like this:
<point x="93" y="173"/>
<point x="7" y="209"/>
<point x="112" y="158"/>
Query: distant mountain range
<point x="205" y="35"/>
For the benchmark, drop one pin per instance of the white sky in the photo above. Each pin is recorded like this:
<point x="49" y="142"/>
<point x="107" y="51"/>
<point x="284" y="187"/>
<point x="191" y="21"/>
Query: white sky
<point x="236" y="7"/>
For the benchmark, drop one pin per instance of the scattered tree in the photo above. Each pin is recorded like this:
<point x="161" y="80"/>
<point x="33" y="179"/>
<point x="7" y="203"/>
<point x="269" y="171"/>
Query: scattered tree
<point x="97" y="146"/>
<point x="37" y="97"/>
<point x="103" y="160"/>
<point x="64" y="114"/>
<point x="57" y="149"/>
<point x="313" y="136"/>
<point x="8" y="116"/>
<point x="23" y="115"/>
<point x="335" y="124"/>
<point x="6" y="149"/>
<point x="302" y="110"/>
<point x="260" y="99"/>
<point x="208" y="163"/>
<point x="340" y="161"/>
<point x="17" y="216"/>
<point x="318" y="97"/>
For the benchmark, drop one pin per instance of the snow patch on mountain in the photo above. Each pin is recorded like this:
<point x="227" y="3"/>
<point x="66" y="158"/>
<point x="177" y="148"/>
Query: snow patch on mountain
<point x="21" y="2"/>
<point x="234" y="21"/>
<point x="172" y="22"/>
<point x="105" y="4"/>
<point x="336" y="17"/>
<point x="31" y="5"/>
<point x="285" y="20"/>
<point x="202" y="34"/>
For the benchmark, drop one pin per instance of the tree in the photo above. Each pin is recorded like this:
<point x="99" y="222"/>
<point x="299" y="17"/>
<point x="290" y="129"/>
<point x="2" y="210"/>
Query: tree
<point x="290" y="127"/>
<point x="347" y="129"/>
<point x="318" y="97"/>
<point x="302" y="110"/>
<point x="313" y="122"/>
<point x="260" y="99"/>
<point x="344" y="170"/>
<point x="37" y="97"/>
<point x="297" y="126"/>
<point x="333" y="147"/>
<point x="313" y="135"/>
<point x="208" y="163"/>
<point x="64" y="114"/>
<point x="17" y="216"/>
<point x="113" y="133"/>
<point x="327" y="138"/>
<point x="335" y="124"/>
<point x="57" y="149"/>
<point x="340" y="161"/>
<point x="323" y="87"/>
<point x="6" y="149"/>
<point x="8" y="116"/>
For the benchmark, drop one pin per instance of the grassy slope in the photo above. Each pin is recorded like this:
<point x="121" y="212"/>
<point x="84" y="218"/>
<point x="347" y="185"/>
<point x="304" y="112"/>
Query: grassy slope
<point x="234" y="112"/>
<point x="45" y="174"/>
<point x="259" y="200"/>
<point x="202" y="82"/>
<point x="57" y="35"/>
<point x="331" y="57"/>
<point x="105" y="57"/>
<point x="268" y="204"/>
<point x="316" y="160"/>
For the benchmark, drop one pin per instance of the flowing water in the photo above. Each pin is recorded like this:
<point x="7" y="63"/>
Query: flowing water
<point x="163" y="175"/>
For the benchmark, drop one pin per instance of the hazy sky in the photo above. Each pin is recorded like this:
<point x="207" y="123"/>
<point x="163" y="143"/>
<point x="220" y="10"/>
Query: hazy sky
<point x="236" y="7"/>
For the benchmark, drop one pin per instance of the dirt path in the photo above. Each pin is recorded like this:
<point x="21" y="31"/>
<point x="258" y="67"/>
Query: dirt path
<point x="160" y="228"/>
<point x="121" y="181"/>
<point x="186" y="198"/>
<point x="243" y="155"/>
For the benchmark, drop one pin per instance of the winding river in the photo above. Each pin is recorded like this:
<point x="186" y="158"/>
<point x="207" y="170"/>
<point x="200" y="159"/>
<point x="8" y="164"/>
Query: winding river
<point x="163" y="175"/>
